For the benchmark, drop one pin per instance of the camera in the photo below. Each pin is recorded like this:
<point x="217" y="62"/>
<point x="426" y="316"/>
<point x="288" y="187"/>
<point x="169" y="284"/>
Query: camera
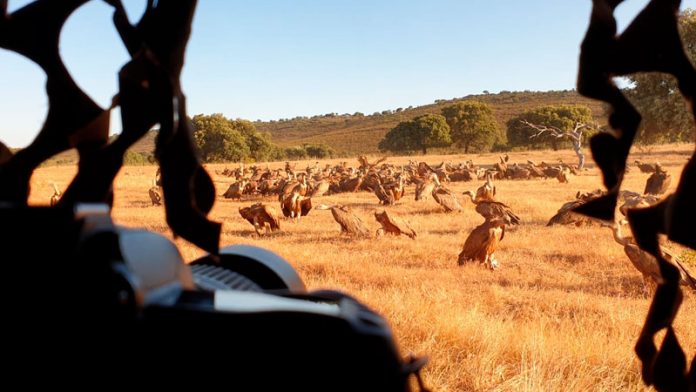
<point x="88" y="297"/>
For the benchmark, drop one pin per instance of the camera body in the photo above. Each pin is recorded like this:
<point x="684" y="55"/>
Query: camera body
<point x="125" y="306"/>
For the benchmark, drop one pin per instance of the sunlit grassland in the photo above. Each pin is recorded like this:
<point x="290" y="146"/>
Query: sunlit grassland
<point x="561" y="314"/>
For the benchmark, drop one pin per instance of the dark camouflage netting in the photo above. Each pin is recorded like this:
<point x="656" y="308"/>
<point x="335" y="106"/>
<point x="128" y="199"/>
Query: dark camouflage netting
<point x="149" y="94"/>
<point x="651" y="43"/>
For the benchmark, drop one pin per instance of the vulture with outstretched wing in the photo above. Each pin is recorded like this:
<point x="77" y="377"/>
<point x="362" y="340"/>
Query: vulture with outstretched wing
<point x="261" y="216"/>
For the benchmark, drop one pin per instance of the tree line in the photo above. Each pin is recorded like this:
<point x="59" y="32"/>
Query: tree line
<point x="472" y="127"/>
<point x="220" y="139"/>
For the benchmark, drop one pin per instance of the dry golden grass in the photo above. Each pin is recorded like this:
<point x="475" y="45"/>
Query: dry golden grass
<point x="561" y="314"/>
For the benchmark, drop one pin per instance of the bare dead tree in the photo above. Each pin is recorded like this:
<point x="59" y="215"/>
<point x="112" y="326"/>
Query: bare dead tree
<point x="576" y="136"/>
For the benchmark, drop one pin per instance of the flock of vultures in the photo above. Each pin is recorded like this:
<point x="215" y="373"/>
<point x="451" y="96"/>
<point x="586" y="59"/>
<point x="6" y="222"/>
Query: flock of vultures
<point x="295" y="189"/>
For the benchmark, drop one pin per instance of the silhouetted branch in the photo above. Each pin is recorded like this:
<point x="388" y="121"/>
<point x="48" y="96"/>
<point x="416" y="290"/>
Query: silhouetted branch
<point x="576" y="136"/>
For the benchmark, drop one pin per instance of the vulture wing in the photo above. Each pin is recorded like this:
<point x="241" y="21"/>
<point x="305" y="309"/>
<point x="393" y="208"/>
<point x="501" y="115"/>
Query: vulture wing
<point x="482" y="241"/>
<point x="447" y="200"/>
<point x="271" y="216"/>
<point x="394" y="224"/>
<point x="305" y="205"/>
<point x="349" y="222"/>
<point x="424" y="189"/>
<point x="155" y="196"/>
<point x="497" y="210"/>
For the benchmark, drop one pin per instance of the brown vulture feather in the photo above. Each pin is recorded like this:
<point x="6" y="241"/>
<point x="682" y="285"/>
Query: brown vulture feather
<point x="487" y="190"/>
<point x="496" y="210"/>
<point x="394" y="224"/>
<point x="424" y="190"/>
<point x="155" y="195"/>
<point x="385" y="198"/>
<point x="482" y="243"/>
<point x="658" y="182"/>
<point x="261" y="216"/>
<point x="350" y="223"/>
<point x="447" y="199"/>
<point x="647" y="264"/>
<point x="295" y="205"/>
<point x="321" y="188"/>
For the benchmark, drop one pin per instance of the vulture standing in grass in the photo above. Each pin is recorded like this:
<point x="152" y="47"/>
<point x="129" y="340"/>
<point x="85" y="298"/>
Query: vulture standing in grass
<point x="396" y="189"/>
<point x="482" y="243"/>
<point x="385" y="198"/>
<point x="425" y="188"/>
<point x="534" y="170"/>
<point x="563" y="175"/>
<point x="501" y="168"/>
<point x="658" y="182"/>
<point x="56" y="195"/>
<point x="646" y="264"/>
<point x="551" y="171"/>
<point x="155" y="193"/>
<point x="446" y="199"/>
<point x="566" y="215"/>
<point x="235" y="190"/>
<point x="321" y="188"/>
<point x="487" y="190"/>
<point x="298" y="186"/>
<point x="261" y="216"/>
<point x="645" y="167"/>
<point x="394" y="224"/>
<point x="350" y="223"/>
<point x="637" y="201"/>
<point x="295" y="205"/>
<point x="491" y="209"/>
<point x="352" y="184"/>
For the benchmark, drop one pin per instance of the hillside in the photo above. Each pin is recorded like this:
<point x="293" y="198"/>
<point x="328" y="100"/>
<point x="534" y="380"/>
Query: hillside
<point x="354" y="134"/>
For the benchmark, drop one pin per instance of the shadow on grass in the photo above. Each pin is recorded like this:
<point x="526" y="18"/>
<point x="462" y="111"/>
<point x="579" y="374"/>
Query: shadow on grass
<point x="436" y="211"/>
<point x="336" y="238"/>
<point x="142" y="204"/>
<point x="444" y="232"/>
<point x="251" y="233"/>
<point x="618" y="287"/>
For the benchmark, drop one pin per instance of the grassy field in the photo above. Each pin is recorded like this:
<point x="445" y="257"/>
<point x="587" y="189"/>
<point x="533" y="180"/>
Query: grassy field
<point x="561" y="314"/>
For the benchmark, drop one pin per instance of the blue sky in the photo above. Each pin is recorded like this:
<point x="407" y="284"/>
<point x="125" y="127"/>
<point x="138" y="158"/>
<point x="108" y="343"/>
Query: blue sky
<point x="280" y="59"/>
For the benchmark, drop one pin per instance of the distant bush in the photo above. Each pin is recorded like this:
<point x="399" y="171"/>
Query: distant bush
<point x="295" y="153"/>
<point x="501" y="147"/>
<point x="220" y="139"/>
<point x="133" y="158"/>
<point x="320" y="151"/>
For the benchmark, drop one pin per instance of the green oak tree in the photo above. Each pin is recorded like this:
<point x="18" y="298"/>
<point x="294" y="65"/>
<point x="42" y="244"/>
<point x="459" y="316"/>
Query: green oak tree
<point x="656" y="96"/>
<point x="419" y="134"/>
<point x="218" y="139"/>
<point x="223" y="139"/>
<point x="561" y="117"/>
<point x="473" y="125"/>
